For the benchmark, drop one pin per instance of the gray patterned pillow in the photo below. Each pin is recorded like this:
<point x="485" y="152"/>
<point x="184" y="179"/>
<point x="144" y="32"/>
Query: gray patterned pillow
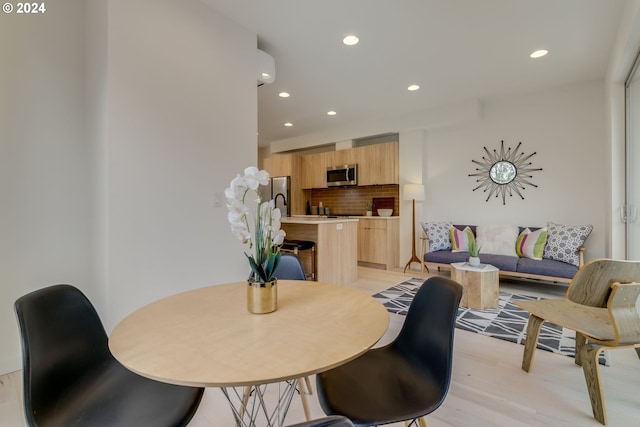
<point x="563" y="242"/>
<point x="438" y="235"/>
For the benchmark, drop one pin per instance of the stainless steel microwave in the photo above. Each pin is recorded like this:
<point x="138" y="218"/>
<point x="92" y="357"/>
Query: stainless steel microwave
<point x="341" y="176"/>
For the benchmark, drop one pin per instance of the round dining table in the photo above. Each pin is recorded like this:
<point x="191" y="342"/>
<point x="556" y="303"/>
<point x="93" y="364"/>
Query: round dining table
<point x="206" y="337"/>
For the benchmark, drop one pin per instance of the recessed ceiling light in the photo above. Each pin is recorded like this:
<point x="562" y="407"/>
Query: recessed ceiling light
<point x="266" y="76"/>
<point x="539" y="53"/>
<point x="350" y="40"/>
<point x="331" y="113"/>
<point x="288" y="124"/>
<point x="284" y="94"/>
<point x="413" y="87"/>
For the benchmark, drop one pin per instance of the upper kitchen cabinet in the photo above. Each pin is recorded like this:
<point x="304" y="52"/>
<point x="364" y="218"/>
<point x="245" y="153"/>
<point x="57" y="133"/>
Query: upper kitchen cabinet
<point x="282" y="165"/>
<point x="313" y="170"/>
<point x="344" y="157"/>
<point x="377" y="164"/>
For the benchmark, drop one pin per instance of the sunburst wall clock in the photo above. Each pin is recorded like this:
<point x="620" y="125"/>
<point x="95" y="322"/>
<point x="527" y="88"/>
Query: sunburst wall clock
<point x="504" y="173"/>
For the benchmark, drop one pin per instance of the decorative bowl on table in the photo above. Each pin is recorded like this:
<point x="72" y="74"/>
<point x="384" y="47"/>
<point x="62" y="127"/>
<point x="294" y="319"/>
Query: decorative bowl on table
<point x="385" y="212"/>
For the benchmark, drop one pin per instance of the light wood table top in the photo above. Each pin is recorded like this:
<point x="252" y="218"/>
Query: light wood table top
<point x="206" y="337"/>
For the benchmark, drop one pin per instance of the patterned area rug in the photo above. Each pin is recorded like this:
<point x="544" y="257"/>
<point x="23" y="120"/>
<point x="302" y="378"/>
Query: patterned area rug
<point x="507" y="322"/>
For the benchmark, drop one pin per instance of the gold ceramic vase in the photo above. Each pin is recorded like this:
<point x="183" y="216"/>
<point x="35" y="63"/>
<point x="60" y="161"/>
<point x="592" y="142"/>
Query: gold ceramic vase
<point x="262" y="297"/>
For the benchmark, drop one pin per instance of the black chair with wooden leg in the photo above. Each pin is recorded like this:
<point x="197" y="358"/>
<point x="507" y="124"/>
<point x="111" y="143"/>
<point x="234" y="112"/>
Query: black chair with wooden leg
<point x="71" y="378"/>
<point x="406" y="379"/>
<point x="290" y="268"/>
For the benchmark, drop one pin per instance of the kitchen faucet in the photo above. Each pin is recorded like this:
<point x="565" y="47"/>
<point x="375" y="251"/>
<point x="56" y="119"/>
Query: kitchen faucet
<point x="284" y="200"/>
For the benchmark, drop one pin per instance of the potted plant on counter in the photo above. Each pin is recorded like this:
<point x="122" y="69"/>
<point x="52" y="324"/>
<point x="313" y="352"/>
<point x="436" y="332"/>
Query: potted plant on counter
<point x="368" y="207"/>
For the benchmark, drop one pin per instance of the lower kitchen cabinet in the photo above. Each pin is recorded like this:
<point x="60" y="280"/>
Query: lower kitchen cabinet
<point x="378" y="242"/>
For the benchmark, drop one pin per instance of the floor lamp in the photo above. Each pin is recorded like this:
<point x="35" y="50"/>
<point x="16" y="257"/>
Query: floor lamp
<point x="413" y="192"/>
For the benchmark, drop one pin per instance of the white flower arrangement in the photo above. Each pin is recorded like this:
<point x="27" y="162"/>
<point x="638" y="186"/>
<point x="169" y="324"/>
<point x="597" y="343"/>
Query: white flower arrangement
<point x="255" y="223"/>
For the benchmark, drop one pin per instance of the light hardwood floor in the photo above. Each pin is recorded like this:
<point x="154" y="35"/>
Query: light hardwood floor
<point x="488" y="388"/>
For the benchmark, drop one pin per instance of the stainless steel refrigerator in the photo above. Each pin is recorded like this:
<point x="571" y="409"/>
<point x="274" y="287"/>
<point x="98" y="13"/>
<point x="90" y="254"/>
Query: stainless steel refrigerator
<point x="278" y="190"/>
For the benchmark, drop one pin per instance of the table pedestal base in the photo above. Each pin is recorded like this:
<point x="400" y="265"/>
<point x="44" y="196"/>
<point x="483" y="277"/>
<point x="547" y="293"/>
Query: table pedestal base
<point x="251" y="409"/>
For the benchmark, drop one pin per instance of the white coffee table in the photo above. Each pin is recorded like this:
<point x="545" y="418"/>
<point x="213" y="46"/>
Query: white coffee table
<point x="481" y="284"/>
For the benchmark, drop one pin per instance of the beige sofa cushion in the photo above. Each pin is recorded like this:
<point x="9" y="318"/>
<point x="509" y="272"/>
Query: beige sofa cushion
<point x="497" y="239"/>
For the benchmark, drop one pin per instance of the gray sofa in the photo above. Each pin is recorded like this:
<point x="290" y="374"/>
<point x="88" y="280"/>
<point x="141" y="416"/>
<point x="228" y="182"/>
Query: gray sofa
<point x="510" y="266"/>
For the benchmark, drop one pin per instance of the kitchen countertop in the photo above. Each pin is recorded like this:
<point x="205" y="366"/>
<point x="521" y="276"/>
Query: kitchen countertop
<point x="376" y="217"/>
<point x="331" y="218"/>
<point x="314" y="219"/>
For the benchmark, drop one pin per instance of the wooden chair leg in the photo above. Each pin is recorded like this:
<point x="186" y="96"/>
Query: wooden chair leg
<point x="307" y="382"/>
<point x="422" y="422"/>
<point x="531" y="342"/>
<point x="303" y="397"/>
<point x="590" y="353"/>
<point x="581" y="340"/>
<point x="245" y="400"/>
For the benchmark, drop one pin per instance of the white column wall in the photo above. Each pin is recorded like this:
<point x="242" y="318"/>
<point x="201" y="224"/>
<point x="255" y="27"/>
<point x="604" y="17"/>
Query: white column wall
<point x="182" y="120"/>
<point x="46" y="178"/>
<point x="119" y="121"/>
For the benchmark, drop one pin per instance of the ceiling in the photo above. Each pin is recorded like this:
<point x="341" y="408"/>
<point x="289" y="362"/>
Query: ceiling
<point x="456" y="50"/>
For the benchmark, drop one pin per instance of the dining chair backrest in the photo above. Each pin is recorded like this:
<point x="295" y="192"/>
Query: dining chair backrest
<point x="62" y="339"/>
<point x="71" y="378"/>
<point x="406" y="379"/>
<point x="592" y="283"/>
<point x="427" y="334"/>
<point x="290" y="268"/>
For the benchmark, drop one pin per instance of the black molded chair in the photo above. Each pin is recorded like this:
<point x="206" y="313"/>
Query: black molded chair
<point x="290" y="268"/>
<point x="296" y="246"/>
<point x="406" y="379"/>
<point x="71" y="378"/>
<point x="334" y="421"/>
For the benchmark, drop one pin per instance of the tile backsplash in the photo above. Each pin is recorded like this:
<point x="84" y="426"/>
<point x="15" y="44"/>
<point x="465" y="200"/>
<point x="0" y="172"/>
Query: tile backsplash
<point x="351" y="200"/>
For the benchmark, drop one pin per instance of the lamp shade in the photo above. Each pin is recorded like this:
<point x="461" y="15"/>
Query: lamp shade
<point x="413" y="192"/>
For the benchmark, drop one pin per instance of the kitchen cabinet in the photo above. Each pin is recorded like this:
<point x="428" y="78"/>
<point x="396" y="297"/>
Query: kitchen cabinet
<point x="313" y="170"/>
<point x="378" y="242"/>
<point x="345" y="157"/>
<point x="282" y="165"/>
<point x="378" y="164"/>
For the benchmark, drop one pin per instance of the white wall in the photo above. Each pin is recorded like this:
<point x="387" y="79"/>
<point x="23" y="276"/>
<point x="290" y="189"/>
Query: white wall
<point x="565" y="127"/>
<point x="96" y="122"/>
<point x="45" y="161"/>
<point x="182" y="120"/>
<point x="119" y="121"/>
